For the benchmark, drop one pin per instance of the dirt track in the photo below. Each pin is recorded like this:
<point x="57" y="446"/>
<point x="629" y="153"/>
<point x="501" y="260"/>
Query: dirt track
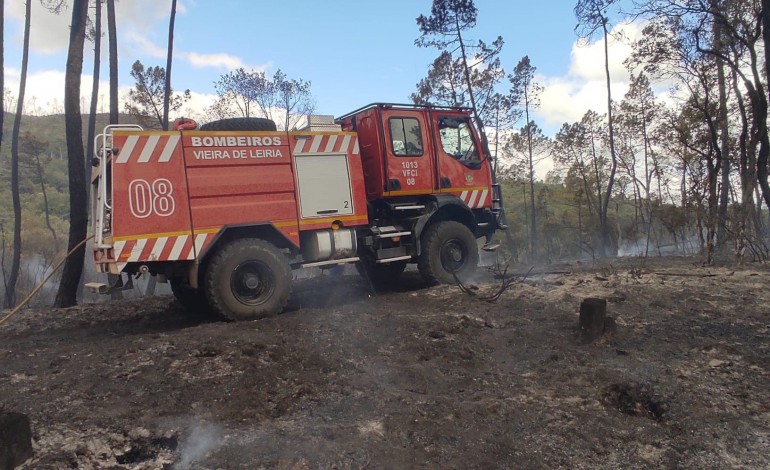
<point x="411" y="378"/>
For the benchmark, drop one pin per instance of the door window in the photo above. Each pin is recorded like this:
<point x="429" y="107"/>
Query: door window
<point x="406" y="137"/>
<point x="457" y="139"/>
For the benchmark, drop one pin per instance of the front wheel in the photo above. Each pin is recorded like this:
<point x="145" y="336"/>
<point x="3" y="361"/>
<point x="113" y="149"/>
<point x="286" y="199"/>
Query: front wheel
<point x="248" y="279"/>
<point x="448" y="248"/>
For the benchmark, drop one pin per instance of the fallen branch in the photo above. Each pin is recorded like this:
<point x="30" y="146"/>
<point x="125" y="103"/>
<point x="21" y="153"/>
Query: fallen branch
<point x="505" y="285"/>
<point x="42" y="283"/>
<point x="539" y="273"/>
<point x="685" y="274"/>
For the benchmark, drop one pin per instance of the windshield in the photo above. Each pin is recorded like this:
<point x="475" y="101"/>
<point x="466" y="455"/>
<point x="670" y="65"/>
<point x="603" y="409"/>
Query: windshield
<point x="457" y="139"/>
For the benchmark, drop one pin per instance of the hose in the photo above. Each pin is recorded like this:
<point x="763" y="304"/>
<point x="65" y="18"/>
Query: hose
<point x="42" y="283"/>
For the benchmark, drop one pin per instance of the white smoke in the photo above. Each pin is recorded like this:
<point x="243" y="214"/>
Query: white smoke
<point x="202" y="439"/>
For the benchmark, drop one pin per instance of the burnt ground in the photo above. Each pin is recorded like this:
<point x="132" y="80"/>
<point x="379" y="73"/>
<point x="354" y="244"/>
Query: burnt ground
<point x="414" y="377"/>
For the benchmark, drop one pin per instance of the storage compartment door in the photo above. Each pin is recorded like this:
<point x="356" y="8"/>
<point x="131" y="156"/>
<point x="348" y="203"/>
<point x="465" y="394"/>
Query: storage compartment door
<point x="324" y="185"/>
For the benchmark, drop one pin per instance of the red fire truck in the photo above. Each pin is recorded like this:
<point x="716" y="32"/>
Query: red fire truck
<point x="226" y="211"/>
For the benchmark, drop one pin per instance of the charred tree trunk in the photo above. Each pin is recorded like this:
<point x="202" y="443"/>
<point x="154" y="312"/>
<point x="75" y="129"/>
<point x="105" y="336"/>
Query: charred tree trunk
<point x="713" y="176"/>
<point x="593" y="312"/>
<point x="606" y="241"/>
<point x="169" y="56"/>
<point x="113" y="38"/>
<point x="2" y="122"/>
<point x="114" y="116"/>
<point x="45" y="203"/>
<point x="94" y="92"/>
<point x="747" y="223"/>
<point x="533" y="242"/>
<point x="15" y="438"/>
<point x="724" y="140"/>
<point x="2" y="69"/>
<point x="73" y="267"/>
<point x="765" y="12"/>
<point x="10" y="292"/>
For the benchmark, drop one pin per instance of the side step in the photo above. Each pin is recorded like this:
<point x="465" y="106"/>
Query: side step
<point x="393" y="234"/>
<point x="330" y="262"/>
<point x="391" y="260"/>
<point x="100" y="288"/>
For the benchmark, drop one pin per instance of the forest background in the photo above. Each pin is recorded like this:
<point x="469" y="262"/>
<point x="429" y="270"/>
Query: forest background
<point x="679" y="172"/>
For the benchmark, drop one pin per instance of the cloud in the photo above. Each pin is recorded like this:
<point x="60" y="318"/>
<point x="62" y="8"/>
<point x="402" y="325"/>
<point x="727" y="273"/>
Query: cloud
<point x="220" y="60"/>
<point x="196" y="106"/>
<point x="51" y="31"/>
<point x="141" y="15"/>
<point x="588" y="59"/>
<point x="567" y="100"/>
<point x="44" y="95"/>
<point x="143" y="45"/>
<point x="181" y="7"/>
<point x="44" y="92"/>
<point x="584" y="87"/>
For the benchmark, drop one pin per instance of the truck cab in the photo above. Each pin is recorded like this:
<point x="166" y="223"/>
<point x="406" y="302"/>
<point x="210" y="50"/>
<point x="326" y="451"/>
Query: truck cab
<point x="412" y="151"/>
<point x="424" y="164"/>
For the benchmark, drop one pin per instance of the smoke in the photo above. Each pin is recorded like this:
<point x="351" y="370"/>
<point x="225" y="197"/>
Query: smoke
<point x="202" y="440"/>
<point x="638" y="248"/>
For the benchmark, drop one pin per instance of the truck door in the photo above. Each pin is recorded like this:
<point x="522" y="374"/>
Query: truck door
<point x="461" y="168"/>
<point x="409" y="164"/>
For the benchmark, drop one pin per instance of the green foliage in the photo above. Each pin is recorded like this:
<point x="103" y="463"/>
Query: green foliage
<point x="252" y="93"/>
<point x="525" y="92"/>
<point x="43" y="138"/>
<point x="145" y="100"/>
<point x="466" y="72"/>
<point x="569" y="227"/>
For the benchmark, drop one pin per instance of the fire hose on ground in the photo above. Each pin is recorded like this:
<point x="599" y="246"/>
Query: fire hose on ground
<point x="18" y="308"/>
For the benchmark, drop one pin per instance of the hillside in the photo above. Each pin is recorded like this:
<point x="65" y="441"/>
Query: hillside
<point x="51" y="129"/>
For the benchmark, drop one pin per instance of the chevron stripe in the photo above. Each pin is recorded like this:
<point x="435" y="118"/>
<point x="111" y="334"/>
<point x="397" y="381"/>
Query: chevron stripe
<point x="149" y="144"/>
<point x="334" y="143"/>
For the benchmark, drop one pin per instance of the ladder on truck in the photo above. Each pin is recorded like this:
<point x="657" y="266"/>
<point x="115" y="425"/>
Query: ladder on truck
<point x="101" y="199"/>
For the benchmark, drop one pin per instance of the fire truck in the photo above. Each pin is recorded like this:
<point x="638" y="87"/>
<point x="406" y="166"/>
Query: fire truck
<point x="226" y="212"/>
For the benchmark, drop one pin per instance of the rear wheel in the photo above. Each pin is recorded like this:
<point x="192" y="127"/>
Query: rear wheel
<point x="448" y="248"/>
<point x="193" y="300"/>
<point x="248" y="279"/>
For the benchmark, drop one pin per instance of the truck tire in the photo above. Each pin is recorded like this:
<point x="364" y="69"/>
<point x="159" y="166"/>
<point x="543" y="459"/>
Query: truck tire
<point x="193" y="300"/>
<point x="248" y="279"/>
<point x="380" y="274"/>
<point x="240" y="124"/>
<point x="447" y="248"/>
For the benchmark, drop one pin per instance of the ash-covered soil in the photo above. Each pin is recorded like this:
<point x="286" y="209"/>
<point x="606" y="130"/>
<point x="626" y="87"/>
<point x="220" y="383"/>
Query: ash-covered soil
<point x="410" y="377"/>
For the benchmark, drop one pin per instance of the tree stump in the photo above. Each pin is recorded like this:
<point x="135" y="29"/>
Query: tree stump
<point x="15" y="440"/>
<point x="593" y="312"/>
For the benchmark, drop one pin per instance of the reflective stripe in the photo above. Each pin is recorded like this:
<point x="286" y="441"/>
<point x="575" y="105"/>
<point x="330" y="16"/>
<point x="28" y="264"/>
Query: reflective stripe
<point x="316" y="144"/>
<point x="472" y="200"/>
<point x="330" y="146"/>
<point x="177" y="249"/>
<point x="125" y="152"/>
<point x="149" y="148"/>
<point x="169" y="150"/>
<point x="136" y="252"/>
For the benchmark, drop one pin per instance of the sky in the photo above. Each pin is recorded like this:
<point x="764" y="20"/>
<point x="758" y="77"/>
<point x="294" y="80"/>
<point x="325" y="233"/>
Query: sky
<point x="353" y="53"/>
